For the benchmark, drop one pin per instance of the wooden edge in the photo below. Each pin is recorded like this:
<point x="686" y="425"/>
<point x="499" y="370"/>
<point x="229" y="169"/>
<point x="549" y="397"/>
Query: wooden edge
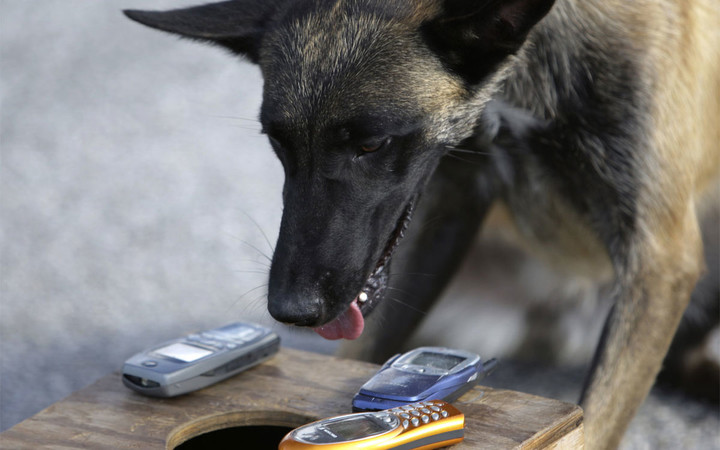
<point x="566" y="435"/>
<point x="221" y="421"/>
<point x="572" y="441"/>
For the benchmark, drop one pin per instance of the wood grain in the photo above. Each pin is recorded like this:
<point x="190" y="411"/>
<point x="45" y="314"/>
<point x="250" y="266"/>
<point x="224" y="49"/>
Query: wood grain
<point x="293" y="388"/>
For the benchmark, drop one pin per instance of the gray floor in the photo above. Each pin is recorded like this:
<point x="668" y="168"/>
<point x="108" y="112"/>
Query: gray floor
<point x="136" y="197"/>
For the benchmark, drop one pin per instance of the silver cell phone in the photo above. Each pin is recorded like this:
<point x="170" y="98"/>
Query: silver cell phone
<point x="198" y="360"/>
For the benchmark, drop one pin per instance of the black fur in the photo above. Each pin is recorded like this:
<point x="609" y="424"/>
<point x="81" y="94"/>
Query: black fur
<point x="237" y="25"/>
<point x="473" y="38"/>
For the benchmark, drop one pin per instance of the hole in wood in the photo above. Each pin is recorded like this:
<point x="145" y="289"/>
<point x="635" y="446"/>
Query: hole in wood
<point x="246" y="429"/>
<point x="258" y="437"/>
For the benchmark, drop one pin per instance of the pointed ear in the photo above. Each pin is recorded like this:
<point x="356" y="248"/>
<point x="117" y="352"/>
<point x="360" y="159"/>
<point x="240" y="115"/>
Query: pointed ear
<point x="238" y="25"/>
<point x="473" y="36"/>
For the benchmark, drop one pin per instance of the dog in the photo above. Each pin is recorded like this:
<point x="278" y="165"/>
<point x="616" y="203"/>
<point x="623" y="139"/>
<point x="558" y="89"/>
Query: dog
<point x="596" y="124"/>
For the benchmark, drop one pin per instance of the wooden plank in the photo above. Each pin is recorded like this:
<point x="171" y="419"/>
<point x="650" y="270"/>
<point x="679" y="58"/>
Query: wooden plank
<point x="293" y="388"/>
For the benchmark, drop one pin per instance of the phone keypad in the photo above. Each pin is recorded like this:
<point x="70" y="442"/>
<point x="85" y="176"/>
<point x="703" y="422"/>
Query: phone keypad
<point x="219" y="340"/>
<point x="419" y="413"/>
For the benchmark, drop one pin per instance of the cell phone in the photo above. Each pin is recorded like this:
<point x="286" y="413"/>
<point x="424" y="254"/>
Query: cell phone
<point x="423" y="425"/>
<point x="198" y="360"/>
<point x="423" y="374"/>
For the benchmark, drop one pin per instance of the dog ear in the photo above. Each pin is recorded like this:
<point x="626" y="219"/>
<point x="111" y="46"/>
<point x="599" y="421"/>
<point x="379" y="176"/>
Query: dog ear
<point x="238" y="25"/>
<point x="473" y="36"/>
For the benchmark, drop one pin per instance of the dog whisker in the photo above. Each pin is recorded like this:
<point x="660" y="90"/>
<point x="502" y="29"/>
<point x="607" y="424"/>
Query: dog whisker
<point x="257" y="250"/>
<point x="414" y="274"/>
<point x="407" y="305"/>
<point x="402" y="291"/>
<point x="222" y="116"/>
<point x="254" y="271"/>
<point x="256" y="302"/>
<point x="257" y="130"/>
<point x="432" y="221"/>
<point x="272" y="249"/>
<point x="260" y="263"/>
<point x="240" y="298"/>
<point x="254" y="306"/>
<point x="465" y="160"/>
<point x="252" y="290"/>
<point x="468" y="151"/>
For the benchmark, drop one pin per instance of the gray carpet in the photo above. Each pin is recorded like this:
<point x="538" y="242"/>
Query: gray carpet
<point x="137" y="202"/>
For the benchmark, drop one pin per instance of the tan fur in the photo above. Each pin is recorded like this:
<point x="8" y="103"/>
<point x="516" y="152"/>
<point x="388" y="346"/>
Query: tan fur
<point x="684" y="52"/>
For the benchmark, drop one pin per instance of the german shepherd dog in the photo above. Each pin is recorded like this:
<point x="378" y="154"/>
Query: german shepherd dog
<point x="596" y="122"/>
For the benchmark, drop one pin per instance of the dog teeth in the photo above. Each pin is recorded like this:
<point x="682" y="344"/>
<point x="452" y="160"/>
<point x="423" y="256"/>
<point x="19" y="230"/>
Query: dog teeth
<point x="362" y="298"/>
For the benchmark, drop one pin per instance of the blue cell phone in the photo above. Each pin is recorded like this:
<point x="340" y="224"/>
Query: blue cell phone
<point x="423" y="374"/>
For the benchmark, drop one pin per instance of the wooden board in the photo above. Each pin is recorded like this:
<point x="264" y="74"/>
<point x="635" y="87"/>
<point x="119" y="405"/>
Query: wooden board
<point x="293" y="388"/>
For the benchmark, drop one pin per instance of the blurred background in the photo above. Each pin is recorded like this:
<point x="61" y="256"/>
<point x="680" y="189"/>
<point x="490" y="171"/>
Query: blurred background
<point x="139" y="202"/>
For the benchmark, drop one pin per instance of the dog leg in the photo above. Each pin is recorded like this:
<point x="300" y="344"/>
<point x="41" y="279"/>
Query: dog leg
<point x="448" y="217"/>
<point x="654" y="289"/>
<point x="689" y="364"/>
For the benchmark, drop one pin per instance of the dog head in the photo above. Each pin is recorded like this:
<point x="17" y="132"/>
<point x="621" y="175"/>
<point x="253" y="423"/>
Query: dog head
<point x="362" y="99"/>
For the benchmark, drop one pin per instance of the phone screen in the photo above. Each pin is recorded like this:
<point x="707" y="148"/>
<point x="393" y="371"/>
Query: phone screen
<point x="355" y="428"/>
<point x="183" y="352"/>
<point x="346" y="429"/>
<point x="436" y="360"/>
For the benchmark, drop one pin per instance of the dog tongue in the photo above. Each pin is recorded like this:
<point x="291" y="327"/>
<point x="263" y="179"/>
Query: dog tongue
<point x="349" y="325"/>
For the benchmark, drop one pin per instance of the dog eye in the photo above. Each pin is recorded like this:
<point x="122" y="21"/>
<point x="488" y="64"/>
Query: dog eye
<point x="374" y="146"/>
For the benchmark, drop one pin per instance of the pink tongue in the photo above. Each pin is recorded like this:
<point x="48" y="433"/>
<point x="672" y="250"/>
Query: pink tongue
<point x="349" y="325"/>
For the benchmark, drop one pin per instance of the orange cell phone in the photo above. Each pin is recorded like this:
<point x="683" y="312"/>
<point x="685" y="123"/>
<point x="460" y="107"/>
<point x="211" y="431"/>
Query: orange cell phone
<point x="422" y="425"/>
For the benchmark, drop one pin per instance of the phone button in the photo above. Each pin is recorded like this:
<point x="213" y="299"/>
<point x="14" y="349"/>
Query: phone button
<point x="425" y="419"/>
<point x="415" y="421"/>
<point x="435" y="416"/>
<point x="406" y="424"/>
<point x="149" y="363"/>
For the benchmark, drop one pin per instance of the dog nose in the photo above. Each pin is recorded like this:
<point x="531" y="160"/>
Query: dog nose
<point x="305" y="312"/>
